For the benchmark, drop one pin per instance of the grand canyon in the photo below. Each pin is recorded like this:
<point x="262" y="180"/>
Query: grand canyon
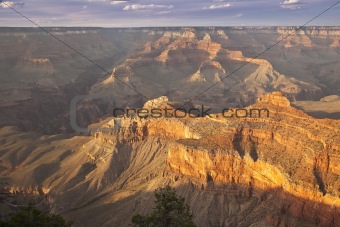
<point x="281" y="168"/>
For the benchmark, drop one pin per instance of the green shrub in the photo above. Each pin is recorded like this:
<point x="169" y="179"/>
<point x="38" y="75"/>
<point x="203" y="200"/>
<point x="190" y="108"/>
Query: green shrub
<point x="170" y="211"/>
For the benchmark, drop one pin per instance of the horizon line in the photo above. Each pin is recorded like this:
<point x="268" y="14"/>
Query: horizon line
<point x="184" y="26"/>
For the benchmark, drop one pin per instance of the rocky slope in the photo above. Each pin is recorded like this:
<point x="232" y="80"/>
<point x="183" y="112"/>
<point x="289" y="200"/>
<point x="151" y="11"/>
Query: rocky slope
<point x="202" y="59"/>
<point x="280" y="169"/>
<point x="37" y="74"/>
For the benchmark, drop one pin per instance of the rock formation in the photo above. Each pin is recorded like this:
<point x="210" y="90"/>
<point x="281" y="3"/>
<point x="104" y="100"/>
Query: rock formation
<point x="277" y="166"/>
<point x="266" y="163"/>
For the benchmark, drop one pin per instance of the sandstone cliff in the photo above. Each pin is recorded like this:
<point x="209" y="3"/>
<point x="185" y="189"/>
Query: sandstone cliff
<point x="276" y="169"/>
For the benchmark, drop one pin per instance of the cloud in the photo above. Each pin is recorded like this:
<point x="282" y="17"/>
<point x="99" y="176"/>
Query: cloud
<point x="291" y="4"/>
<point x="7" y="4"/>
<point x="218" y="6"/>
<point x="118" y="2"/>
<point x="136" y="7"/>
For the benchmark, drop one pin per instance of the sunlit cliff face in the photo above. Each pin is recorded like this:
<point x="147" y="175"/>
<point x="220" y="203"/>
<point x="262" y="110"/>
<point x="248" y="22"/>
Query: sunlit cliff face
<point x="289" y="154"/>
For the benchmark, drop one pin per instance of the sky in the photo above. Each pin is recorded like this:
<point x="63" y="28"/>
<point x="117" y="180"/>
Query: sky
<point x="157" y="13"/>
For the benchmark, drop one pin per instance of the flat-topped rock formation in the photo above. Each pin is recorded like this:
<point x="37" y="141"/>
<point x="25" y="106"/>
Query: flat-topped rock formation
<point x="276" y="98"/>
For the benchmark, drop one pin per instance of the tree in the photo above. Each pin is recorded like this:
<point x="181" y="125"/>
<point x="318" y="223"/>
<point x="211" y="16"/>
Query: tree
<point x="170" y="211"/>
<point x="33" y="217"/>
